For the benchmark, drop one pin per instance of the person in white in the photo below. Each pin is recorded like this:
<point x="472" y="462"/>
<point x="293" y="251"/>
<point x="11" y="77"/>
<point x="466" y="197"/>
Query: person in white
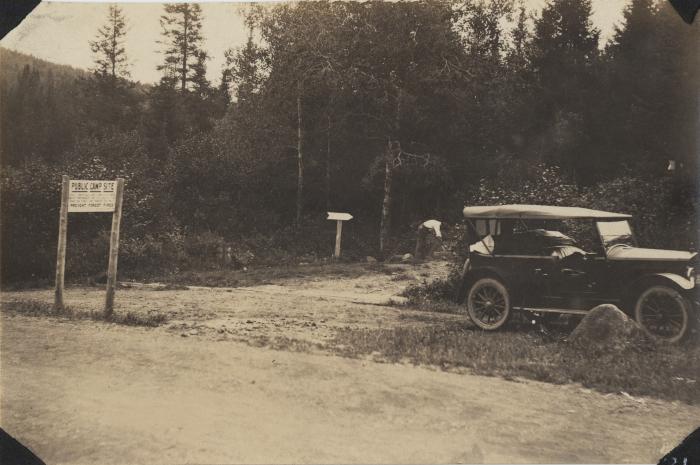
<point x="424" y="247"/>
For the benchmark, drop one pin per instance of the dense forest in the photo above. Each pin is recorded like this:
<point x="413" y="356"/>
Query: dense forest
<point x="393" y="111"/>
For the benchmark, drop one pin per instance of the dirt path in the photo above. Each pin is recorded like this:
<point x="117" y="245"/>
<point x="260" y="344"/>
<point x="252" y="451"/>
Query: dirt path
<point x="305" y="309"/>
<point x="87" y="392"/>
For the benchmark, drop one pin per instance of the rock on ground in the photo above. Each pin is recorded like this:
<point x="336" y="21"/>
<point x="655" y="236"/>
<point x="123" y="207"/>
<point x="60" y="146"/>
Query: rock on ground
<point x="607" y="328"/>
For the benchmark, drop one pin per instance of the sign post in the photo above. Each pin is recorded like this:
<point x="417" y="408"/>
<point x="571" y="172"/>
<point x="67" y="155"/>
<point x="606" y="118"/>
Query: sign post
<point x="114" y="248"/>
<point x="339" y="218"/>
<point x="61" y="254"/>
<point x="78" y="196"/>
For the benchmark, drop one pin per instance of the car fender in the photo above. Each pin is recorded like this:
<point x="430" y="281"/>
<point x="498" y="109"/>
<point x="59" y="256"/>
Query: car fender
<point x="680" y="281"/>
<point x="471" y="274"/>
<point x="484" y="271"/>
<point x="466" y="267"/>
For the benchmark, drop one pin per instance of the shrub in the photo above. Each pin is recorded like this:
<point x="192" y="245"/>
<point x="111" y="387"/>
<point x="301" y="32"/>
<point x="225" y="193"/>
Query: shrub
<point x="664" y="210"/>
<point x="439" y="290"/>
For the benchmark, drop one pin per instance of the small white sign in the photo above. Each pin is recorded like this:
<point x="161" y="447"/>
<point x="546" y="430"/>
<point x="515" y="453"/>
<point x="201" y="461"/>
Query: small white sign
<point x="92" y="196"/>
<point x="339" y="216"/>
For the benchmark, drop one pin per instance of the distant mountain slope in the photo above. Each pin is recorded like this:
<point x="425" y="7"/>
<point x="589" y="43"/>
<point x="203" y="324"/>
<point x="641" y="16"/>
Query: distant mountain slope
<point x="12" y="63"/>
<point x="45" y="108"/>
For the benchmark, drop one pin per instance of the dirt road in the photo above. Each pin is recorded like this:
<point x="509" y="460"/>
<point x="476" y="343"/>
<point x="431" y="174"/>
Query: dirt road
<point x="307" y="309"/>
<point x="85" y="392"/>
<point x="91" y="392"/>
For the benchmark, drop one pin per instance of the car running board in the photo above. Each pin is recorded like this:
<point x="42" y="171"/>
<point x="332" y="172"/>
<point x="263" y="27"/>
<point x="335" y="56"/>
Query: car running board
<point x="568" y="311"/>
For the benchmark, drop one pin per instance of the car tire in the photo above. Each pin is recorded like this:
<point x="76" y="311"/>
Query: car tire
<point x="663" y="313"/>
<point x="488" y="303"/>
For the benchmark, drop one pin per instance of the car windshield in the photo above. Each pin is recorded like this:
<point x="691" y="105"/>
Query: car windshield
<point x="615" y="233"/>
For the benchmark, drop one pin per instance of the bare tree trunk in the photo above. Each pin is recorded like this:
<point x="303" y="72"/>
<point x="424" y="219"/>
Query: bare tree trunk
<point x="183" y="71"/>
<point x="113" y="51"/>
<point x="328" y="164"/>
<point x="392" y="146"/>
<point x="386" y="202"/>
<point x="300" y="157"/>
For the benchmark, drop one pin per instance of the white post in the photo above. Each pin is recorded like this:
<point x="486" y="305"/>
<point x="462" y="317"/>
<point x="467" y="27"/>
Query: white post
<point x="338" y="233"/>
<point x="338" y="218"/>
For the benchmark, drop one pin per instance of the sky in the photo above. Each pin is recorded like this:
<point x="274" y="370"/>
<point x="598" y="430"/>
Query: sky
<point x="60" y="31"/>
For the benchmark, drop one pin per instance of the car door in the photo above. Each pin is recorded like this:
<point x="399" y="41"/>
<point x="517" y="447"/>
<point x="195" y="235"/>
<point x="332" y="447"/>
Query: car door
<point x="576" y="280"/>
<point x="529" y="277"/>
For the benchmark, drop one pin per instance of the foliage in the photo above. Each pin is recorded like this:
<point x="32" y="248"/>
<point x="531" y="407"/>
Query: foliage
<point x="434" y="291"/>
<point x="664" y="210"/>
<point x="506" y="105"/>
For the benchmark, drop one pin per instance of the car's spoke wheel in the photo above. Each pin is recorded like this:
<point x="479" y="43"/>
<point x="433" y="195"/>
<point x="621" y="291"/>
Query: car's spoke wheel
<point x="488" y="303"/>
<point x="663" y="313"/>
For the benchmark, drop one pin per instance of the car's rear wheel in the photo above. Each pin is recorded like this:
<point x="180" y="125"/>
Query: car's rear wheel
<point x="663" y="313"/>
<point x="488" y="303"/>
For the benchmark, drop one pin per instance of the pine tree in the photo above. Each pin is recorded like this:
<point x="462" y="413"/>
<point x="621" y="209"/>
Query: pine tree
<point x="201" y="87"/>
<point x="110" y="100"/>
<point x="565" y="45"/>
<point x="110" y="55"/>
<point x="654" y="66"/>
<point x="223" y="92"/>
<point x="184" y="57"/>
<point x="564" y="55"/>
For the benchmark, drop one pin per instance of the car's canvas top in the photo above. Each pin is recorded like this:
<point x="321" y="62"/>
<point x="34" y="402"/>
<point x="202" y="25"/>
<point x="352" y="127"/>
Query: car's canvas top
<point x="539" y="212"/>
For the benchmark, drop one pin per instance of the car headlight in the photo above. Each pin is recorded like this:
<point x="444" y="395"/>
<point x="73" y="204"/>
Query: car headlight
<point x="690" y="272"/>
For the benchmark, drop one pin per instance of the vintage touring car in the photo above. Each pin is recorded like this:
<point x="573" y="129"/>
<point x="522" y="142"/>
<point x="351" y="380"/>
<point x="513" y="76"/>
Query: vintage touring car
<point x="523" y="257"/>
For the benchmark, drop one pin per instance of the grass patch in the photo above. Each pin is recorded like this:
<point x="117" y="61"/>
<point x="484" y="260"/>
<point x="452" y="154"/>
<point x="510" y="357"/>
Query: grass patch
<point x="668" y="372"/>
<point x="437" y="295"/>
<point x="34" y="283"/>
<point x="258" y="276"/>
<point x="152" y="319"/>
<point x="663" y="371"/>
<point x="40" y="308"/>
<point x="433" y="291"/>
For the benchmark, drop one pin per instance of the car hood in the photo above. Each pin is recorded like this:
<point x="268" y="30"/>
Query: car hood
<point x="637" y="253"/>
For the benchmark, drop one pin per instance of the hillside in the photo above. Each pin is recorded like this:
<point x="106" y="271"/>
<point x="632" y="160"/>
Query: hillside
<point x="12" y="63"/>
<point x="47" y="108"/>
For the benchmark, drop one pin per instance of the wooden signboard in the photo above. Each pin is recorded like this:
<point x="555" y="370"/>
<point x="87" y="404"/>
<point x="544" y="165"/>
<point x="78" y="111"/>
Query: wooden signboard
<point x="339" y="218"/>
<point x="80" y="196"/>
<point x="92" y="196"/>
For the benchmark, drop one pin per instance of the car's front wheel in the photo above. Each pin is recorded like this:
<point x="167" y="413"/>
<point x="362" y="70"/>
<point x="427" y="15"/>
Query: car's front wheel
<point x="488" y="303"/>
<point x="663" y="313"/>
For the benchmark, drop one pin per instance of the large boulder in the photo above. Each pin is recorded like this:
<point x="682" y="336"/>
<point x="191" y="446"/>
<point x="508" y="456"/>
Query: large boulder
<point x="606" y="328"/>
